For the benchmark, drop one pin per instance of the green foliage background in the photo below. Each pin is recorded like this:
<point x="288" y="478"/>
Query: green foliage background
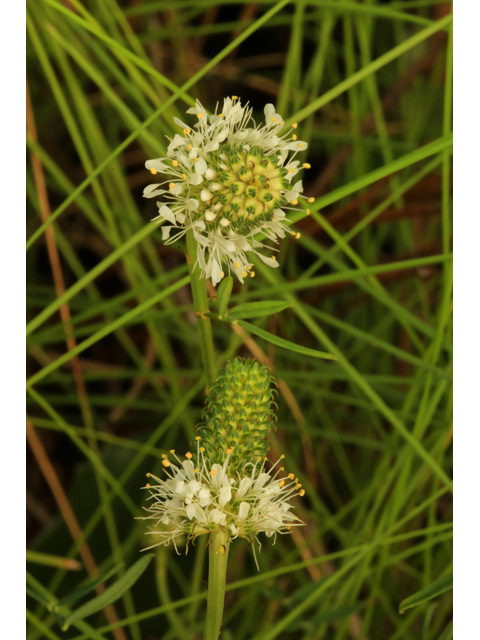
<point x="369" y="280"/>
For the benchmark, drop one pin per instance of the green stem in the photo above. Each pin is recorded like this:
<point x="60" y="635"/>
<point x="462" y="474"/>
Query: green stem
<point x="217" y="573"/>
<point x="200" y="300"/>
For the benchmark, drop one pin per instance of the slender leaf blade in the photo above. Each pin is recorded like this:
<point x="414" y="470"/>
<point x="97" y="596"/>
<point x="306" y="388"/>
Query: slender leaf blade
<point x="432" y="591"/>
<point x="258" y="309"/>
<point x="223" y="294"/>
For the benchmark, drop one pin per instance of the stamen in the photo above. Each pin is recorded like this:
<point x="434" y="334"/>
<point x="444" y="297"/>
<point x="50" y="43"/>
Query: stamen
<point x="244" y="274"/>
<point x="148" y="475"/>
<point x="188" y="455"/>
<point x="298" y="235"/>
<point x="273" y="119"/>
<point x="175" y="163"/>
<point x="184" y="176"/>
<point x="291" y="476"/>
<point x="195" y="159"/>
<point x="202" y="449"/>
<point x="229" y="451"/>
<point x="213" y="472"/>
<point x="281" y="483"/>
<point x="171" y="185"/>
<point x="282" y="456"/>
<point x="307" y="212"/>
<point x="234" y="98"/>
<point x="223" y="274"/>
<point x="294" y="137"/>
<point x="306" y="165"/>
<point x="186" y="131"/>
<point x="294" y="202"/>
<point x="172" y="450"/>
<point x="189" y="146"/>
<point x="301" y="493"/>
<point x="197" y="438"/>
<point x="148" y="484"/>
<point x="200" y="115"/>
<point x="220" y="115"/>
<point x="252" y="274"/>
<point x="165" y="463"/>
<point x="153" y="171"/>
<point x="294" y="125"/>
<point x="237" y="265"/>
<point x="310" y="200"/>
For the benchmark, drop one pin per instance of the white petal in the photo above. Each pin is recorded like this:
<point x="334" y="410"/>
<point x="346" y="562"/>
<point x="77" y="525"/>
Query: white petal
<point x="270" y="261"/>
<point x="166" y="213"/>
<point x="243" y="510"/>
<point x="244" y="486"/>
<point x="224" y="495"/>
<point x="194" y="510"/>
<point x="166" y="232"/>
<point x="192" y="204"/>
<point x="201" y="166"/>
<point x="157" y="164"/>
<point x="269" y="112"/>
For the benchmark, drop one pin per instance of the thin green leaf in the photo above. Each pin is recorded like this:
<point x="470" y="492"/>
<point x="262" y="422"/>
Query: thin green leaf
<point x="111" y="594"/>
<point x="258" y="309"/>
<point x="223" y="294"/>
<point x="76" y="594"/>
<point x="285" y="344"/>
<point x="432" y="591"/>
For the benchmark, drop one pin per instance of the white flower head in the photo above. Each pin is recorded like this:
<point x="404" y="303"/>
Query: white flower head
<point x="200" y="498"/>
<point x="228" y="179"/>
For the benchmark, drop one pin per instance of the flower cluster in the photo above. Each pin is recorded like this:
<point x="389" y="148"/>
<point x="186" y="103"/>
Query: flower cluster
<point x="228" y="180"/>
<point x="224" y="483"/>
<point x="198" y="499"/>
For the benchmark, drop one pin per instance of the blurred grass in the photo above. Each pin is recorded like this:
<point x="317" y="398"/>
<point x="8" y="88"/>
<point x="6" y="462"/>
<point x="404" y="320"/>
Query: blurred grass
<point x="115" y="376"/>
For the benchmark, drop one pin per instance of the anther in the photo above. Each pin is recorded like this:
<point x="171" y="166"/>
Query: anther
<point x="148" y="475"/>
<point x="291" y="476"/>
<point x="171" y="185"/>
<point x="165" y="463"/>
<point x="175" y="163"/>
<point x="200" y="115"/>
<point x="281" y="483"/>
<point x="153" y="171"/>
<point x="223" y="274"/>
<point x="294" y="137"/>
<point x="237" y="265"/>
<point x="186" y="131"/>
<point x="195" y="470"/>
<point x="306" y="165"/>
<point x="188" y="455"/>
<point x="213" y="472"/>
<point x="310" y="200"/>
<point x="294" y="202"/>
<point x="297" y="487"/>
<point x="282" y="456"/>
<point x="300" y="145"/>
<point x="221" y="115"/>
<point x="197" y="438"/>
<point x="252" y="274"/>
<point x="195" y="159"/>
<point x="294" y="125"/>
<point x="291" y="171"/>
<point x="234" y="97"/>
<point x="274" y="257"/>
<point x="301" y="493"/>
<point x="244" y="274"/>
<point x="298" y="235"/>
<point x="273" y="119"/>
<point x="189" y="146"/>
<point x="147" y="485"/>
<point x="172" y="450"/>
<point x="164" y="455"/>
<point x="259" y="458"/>
<point x="202" y="449"/>
<point x="229" y="451"/>
<point x="184" y="176"/>
<point x="307" y="212"/>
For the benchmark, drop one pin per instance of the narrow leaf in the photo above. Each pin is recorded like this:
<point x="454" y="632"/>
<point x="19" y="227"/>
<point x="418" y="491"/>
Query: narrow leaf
<point x="285" y="344"/>
<point x="111" y="594"/>
<point x="258" y="309"/>
<point x="435" y="589"/>
<point x="53" y="561"/>
<point x="76" y="594"/>
<point x="223" y="294"/>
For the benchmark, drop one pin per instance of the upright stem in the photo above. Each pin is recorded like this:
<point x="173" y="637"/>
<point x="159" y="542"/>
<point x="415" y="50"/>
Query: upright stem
<point x="217" y="573"/>
<point x="200" y="300"/>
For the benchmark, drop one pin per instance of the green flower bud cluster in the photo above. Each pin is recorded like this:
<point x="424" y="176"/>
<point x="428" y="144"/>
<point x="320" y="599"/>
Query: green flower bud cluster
<point x="238" y="418"/>
<point x="241" y="190"/>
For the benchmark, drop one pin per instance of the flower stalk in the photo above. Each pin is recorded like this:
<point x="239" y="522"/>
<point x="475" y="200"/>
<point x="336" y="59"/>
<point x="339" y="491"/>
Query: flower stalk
<point x="217" y="572"/>
<point x="200" y="301"/>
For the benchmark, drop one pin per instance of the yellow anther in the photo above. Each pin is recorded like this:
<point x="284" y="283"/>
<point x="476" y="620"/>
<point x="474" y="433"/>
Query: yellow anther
<point x="296" y="479"/>
<point x="229" y="451"/>
<point x="223" y="274"/>
<point x="195" y="159"/>
<point x="265" y="458"/>
<point x="147" y="485"/>
<point x="298" y="235"/>
<point x="197" y="438"/>
<point x="195" y="470"/>
<point x="294" y="202"/>
<point x="175" y="163"/>
<point x="306" y="165"/>
<point x="171" y="185"/>
<point x="273" y="119"/>
<point x="188" y="455"/>
<point x="213" y="472"/>
<point x="234" y="97"/>
<point x="200" y="115"/>
<point x="186" y="131"/>
<point x="165" y="463"/>
<point x="237" y="265"/>
<point x="300" y="145"/>
<point x="202" y="449"/>
<point x="307" y="212"/>
<point x="288" y="527"/>
<point x="148" y="475"/>
<point x="301" y="493"/>
<point x="291" y="171"/>
<point x="310" y="200"/>
<point x="281" y="483"/>
<point x="274" y="257"/>
<point x="282" y="456"/>
<point x="221" y="115"/>
<point x="259" y="458"/>
<point x="172" y="450"/>
<point x="294" y="125"/>
<point x="164" y="455"/>
<point x="294" y="137"/>
<point x="293" y="233"/>
<point x="252" y="274"/>
<point x="282" y="468"/>
<point x="291" y="476"/>
<point x="244" y="274"/>
<point x="184" y="176"/>
<point x="298" y="486"/>
<point x="189" y="146"/>
<point x="153" y="171"/>
<point x="209" y="202"/>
